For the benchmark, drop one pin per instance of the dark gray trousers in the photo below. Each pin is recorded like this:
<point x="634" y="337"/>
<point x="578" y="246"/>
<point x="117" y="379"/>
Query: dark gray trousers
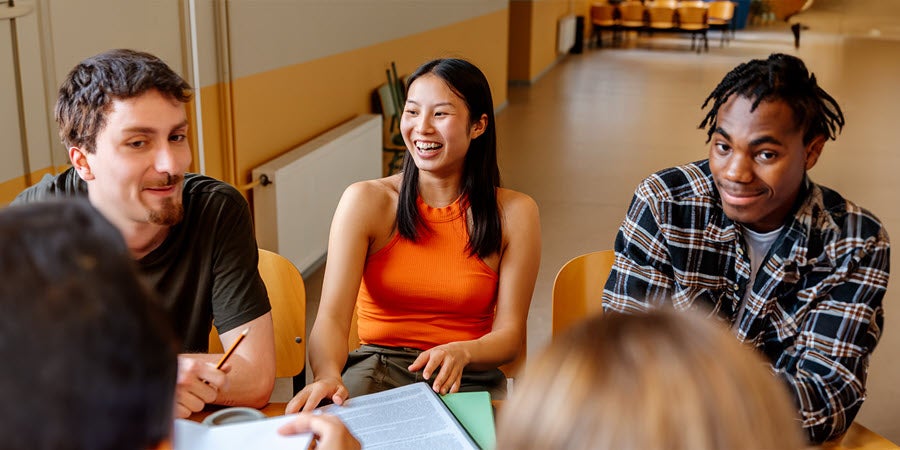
<point x="372" y="368"/>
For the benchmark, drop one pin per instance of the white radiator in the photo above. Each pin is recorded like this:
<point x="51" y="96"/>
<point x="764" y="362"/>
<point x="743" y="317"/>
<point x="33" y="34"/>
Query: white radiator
<point x="292" y="213"/>
<point x="565" y="39"/>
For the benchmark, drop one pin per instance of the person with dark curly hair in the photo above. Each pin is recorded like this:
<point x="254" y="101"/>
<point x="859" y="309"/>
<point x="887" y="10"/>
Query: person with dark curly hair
<point x="798" y="271"/>
<point x="121" y="116"/>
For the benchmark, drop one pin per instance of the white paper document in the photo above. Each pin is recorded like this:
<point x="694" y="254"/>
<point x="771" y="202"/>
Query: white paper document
<point x="408" y="417"/>
<point x="258" y="434"/>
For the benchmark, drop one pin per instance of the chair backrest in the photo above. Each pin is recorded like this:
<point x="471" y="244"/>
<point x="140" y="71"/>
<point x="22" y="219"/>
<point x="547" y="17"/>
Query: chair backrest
<point x="692" y="17"/>
<point x="632" y="13"/>
<point x="664" y="3"/>
<point x="385" y="97"/>
<point x="287" y="295"/>
<point x="578" y="288"/>
<point x="661" y="16"/>
<point x="722" y="10"/>
<point x="603" y="14"/>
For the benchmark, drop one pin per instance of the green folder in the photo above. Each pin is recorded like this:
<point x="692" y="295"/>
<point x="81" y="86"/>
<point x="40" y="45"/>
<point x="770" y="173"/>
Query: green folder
<point x="475" y="413"/>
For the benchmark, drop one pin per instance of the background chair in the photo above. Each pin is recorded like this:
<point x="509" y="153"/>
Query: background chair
<point x="632" y="16"/>
<point x="392" y="141"/>
<point x="664" y="3"/>
<point x="721" y="17"/>
<point x="603" y="17"/>
<point x="692" y="19"/>
<point x="287" y="294"/>
<point x="578" y="288"/>
<point x="660" y="17"/>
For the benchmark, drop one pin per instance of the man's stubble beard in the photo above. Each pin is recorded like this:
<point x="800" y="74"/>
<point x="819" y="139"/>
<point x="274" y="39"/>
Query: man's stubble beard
<point x="169" y="214"/>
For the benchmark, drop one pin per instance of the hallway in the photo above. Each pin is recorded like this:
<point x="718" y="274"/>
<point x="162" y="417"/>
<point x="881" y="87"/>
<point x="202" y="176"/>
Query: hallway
<point x="581" y="138"/>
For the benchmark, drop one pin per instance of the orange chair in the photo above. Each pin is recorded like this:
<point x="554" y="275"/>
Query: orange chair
<point x="721" y="17"/>
<point x="692" y="19"/>
<point x="578" y="288"/>
<point x="661" y="17"/>
<point x="632" y="16"/>
<point x="663" y="3"/>
<point x="287" y="295"/>
<point x="603" y="17"/>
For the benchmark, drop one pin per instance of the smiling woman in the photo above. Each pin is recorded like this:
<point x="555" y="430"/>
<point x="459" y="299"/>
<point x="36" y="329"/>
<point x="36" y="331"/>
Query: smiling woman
<point x="430" y="258"/>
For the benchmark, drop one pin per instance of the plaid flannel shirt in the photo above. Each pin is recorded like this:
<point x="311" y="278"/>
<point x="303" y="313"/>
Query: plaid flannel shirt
<point x="814" y="309"/>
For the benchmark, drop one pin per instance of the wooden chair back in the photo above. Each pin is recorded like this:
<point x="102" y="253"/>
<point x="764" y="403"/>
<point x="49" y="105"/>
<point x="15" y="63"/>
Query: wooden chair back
<point x="603" y="14"/>
<point x="661" y="17"/>
<point x="692" y="18"/>
<point x="287" y="295"/>
<point x="721" y="11"/>
<point x="578" y="288"/>
<point x="631" y="14"/>
<point x="392" y="142"/>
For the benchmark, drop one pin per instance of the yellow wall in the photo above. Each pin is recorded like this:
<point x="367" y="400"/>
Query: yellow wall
<point x="10" y="188"/>
<point x="273" y="74"/>
<point x="533" y="32"/>
<point x="277" y="110"/>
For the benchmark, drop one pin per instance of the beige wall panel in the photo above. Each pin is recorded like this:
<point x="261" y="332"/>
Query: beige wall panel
<point x="280" y="109"/>
<point x="13" y="165"/>
<point x="42" y="152"/>
<point x="213" y="130"/>
<point x="207" y="52"/>
<point x="270" y="34"/>
<point x="84" y="28"/>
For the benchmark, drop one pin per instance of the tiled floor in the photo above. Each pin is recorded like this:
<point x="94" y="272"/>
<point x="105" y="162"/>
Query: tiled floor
<point x="581" y="137"/>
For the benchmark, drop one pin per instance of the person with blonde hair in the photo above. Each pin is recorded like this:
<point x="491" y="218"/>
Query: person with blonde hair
<point x="662" y="380"/>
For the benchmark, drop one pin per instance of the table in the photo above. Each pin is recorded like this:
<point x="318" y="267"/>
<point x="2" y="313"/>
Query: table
<point x="858" y="437"/>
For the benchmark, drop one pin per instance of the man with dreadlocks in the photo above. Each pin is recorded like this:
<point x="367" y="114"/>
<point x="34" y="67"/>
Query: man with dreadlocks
<point x="797" y="270"/>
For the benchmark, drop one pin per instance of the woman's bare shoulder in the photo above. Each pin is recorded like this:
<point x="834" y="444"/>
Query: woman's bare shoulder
<point x="515" y="202"/>
<point x="377" y="191"/>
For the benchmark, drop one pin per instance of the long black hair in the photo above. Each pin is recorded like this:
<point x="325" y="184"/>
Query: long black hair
<point x="481" y="175"/>
<point x="780" y="77"/>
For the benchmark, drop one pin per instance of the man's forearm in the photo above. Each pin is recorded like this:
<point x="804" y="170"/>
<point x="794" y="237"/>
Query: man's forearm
<point x="246" y="386"/>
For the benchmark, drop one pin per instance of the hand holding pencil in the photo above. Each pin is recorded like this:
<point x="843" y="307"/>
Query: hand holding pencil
<point x="199" y="381"/>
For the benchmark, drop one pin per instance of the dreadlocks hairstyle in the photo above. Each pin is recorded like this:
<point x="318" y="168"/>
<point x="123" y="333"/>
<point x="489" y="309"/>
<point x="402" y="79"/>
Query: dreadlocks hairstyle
<point x="780" y="77"/>
<point x="481" y="175"/>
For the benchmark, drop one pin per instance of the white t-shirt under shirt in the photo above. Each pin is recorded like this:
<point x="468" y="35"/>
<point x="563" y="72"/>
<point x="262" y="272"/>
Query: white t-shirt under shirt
<point x="758" y="245"/>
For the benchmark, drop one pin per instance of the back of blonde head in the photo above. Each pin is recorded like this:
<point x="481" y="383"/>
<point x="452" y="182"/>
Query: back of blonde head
<point x="662" y="380"/>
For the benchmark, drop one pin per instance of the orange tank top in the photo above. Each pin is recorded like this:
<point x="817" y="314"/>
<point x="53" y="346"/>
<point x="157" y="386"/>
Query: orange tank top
<point x="430" y="292"/>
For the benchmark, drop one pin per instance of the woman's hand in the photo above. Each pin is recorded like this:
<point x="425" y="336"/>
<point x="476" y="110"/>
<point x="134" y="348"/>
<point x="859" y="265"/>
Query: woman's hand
<point x="330" y="433"/>
<point x="450" y="358"/>
<point x="308" y="399"/>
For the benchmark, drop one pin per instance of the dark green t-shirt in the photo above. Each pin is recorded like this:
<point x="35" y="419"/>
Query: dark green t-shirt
<point x="206" y="269"/>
